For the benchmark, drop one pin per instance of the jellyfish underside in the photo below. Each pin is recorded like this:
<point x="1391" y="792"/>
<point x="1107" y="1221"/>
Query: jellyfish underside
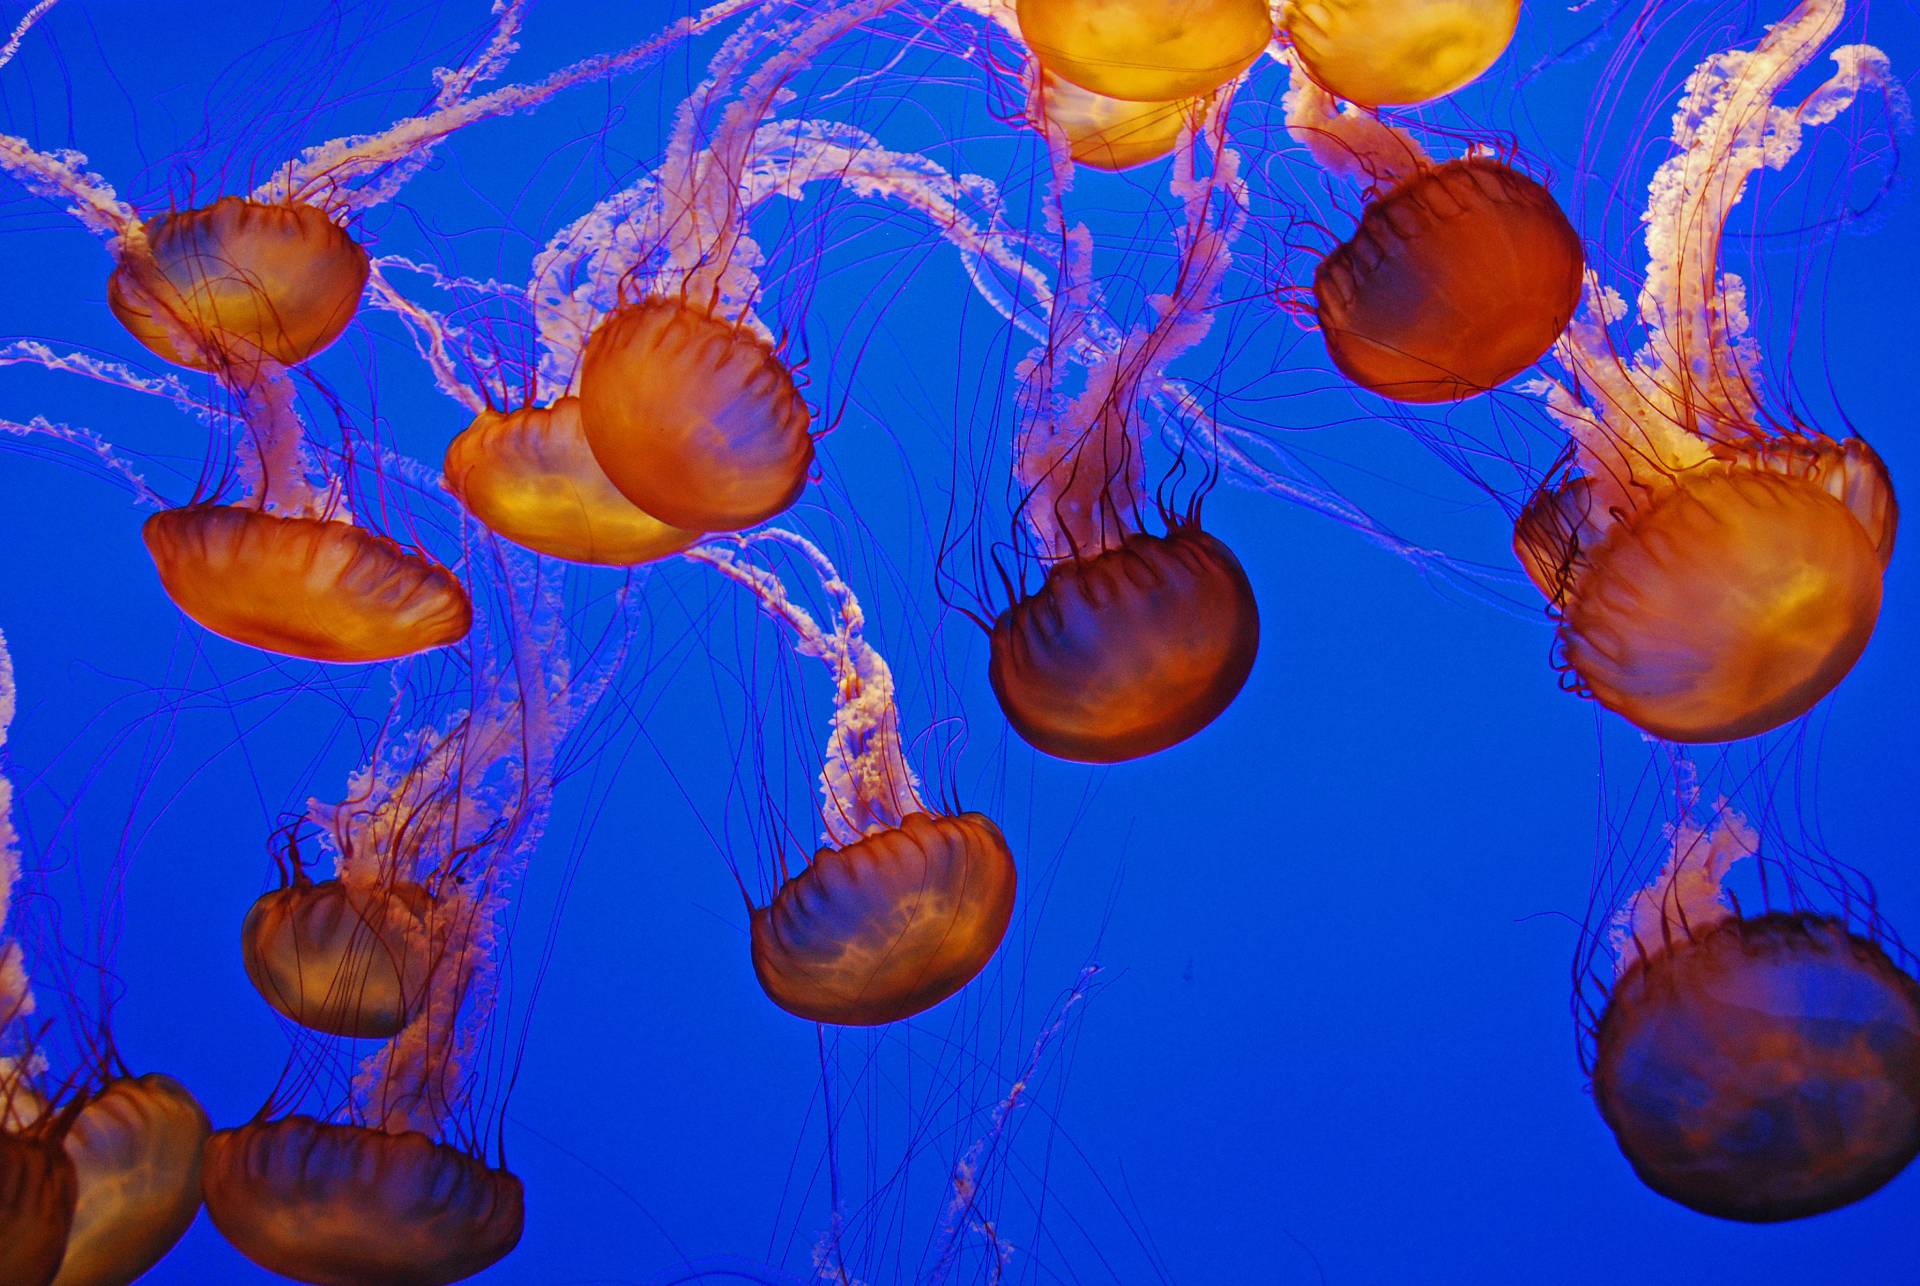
<point x="343" y="1205"/>
<point x="1455" y="282"/>
<point x="337" y="960"/>
<point x="136" y="1150"/>
<point x="1113" y="133"/>
<point x="1396" y="53"/>
<point x="889" y="926"/>
<point x="1128" y="652"/>
<point x="37" y="1187"/>
<point x="1766" y="1070"/>
<point x="693" y="419"/>
<point x="304" y="587"/>
<point x="1146" y="50"/>
<point x="529" y="476"/>
<point x="1729" y="606"/>
<point x="240" y="278"/>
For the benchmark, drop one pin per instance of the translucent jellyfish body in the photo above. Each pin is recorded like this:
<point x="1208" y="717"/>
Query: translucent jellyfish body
<point x="1128" y="652"/>
<point x="890" y="925"/>
<point x="342" y="1205"/>
<point x="239" y="278"/>
<point x="530" y="476"/>
<point x="305" y="587"/>
<point x="1146" y="50"/>
<point x="1732" y="602"/>
<point x="136" y="1149"/>
<point x="340" y="960"/>
<point x="1456" y="281"/>
<point x="1767" y="1069"/>
<point x="37" y="1188"/>
<point x="1385" y="53"/>
<point x="1113" y="133"/>
<point x="693" y="419"/>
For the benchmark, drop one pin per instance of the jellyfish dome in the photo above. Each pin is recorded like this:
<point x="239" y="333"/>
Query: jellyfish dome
<point x="239" y="278"/>
<point x="316" y="588"/>
<point x="1128" y="652"/>
<point x="1396" y="53"/>
<point x="1456" y="281"/>
<point x="1112" y="133"/>
<point x="345" y="1205"/>
<point x="529" y="475"/>
<point x="693" y="418"/>
<point x="1146" y="50"/>
<point x="1766" y="1070"/>
<point x="339" y="959"/>
<point x="37" y="1188"/>
<point x="135" y="1149"/>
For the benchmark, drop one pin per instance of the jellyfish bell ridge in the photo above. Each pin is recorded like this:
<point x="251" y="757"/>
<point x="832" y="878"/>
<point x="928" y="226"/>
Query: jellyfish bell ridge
<point x="1455" y="281"/>
<point x="314" y="588"/>
<point x="888" y="926"/>
<point x="340" y="960"/>
<point x="692" y="418"/>
<point x="1146" y="50"/>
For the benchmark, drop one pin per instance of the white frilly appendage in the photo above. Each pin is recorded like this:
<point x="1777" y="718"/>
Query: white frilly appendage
<point x="1343" y="139"/>
<point x="1688" y="897"/>
<point x="16" y="995"/>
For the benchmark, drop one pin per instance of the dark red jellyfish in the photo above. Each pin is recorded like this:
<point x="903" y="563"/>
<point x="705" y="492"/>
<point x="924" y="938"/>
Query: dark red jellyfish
<point x="905" y="906"/>
<point x="1758" y="1068"/>
<point x="1713" y="576"/>
<point x="37" y="1189"/>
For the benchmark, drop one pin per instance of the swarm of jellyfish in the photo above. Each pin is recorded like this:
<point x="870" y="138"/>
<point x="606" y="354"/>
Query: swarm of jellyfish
<point x="446" y="655"/>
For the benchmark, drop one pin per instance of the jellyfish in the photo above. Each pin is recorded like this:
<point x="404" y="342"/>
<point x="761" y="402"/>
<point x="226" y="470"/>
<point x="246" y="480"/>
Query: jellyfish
<point x="1135" y="640"/>
<point x="1395" y="53"/>
<point x="1461" y="274"/>
<point x="1713" y="572"/>
<point x="529" y="476"/>
<point x="1146" y="50"/>
<point x="37" y="1188"/>
<point x="907" y="905"/>
<point x="1757" y="1068"/>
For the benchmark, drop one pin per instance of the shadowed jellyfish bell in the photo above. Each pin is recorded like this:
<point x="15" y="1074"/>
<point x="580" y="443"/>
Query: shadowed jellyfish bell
<point x="907" y="906"/>
<point x="321" y="589"/>
<point x="239" y="278"/>
<point x="1127" y="652"/>
<point x="37" y="1187"/>
<point x="136" y="1149"/>
<point x="1714" y="577"/>
<point x="692" y="418"/>
<point x="530" y="477"/>
<point x="1390" y="53"/>
<point x="344" y="1205"/>
<point x="1756" y="1069"/>
<point x="1146" y="50"/>
<point x="1113" y="133"/>
<point x="340" y="960"/>
<point x="1457" y="280"/>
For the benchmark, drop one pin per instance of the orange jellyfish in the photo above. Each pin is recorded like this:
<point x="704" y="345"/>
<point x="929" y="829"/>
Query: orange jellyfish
<point x="530" y="476"/>
<point x="908" y="905"/>
<point x="1146" y="50"/>
<point x="1134" y="641"/>
<point x="1754" y="1068"/>
<point x="1111" y="133"/>
<point x="1460" y="276"/>
<point x="36" y="1205"/>
<point x="1391" y="53"/>
<point x="1713" y="575"/>
<point x="238" y="279"/>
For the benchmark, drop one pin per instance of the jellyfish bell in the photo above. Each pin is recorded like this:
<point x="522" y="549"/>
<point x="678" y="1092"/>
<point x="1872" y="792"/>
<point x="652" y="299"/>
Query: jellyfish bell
<point x="529" y="475"/>
<point x="239" y="279"/>
<point x="338" y="959"/>
<point x="1766" y="1069"/>
<point x="135" y="1149"/>
<point x="889" y="925"/>
<point x="320" y="589"/>
<point x="1397" y="53"/>
<point x="1732" y="601"/>
<point x="693" y="419"/>
<point x="1457" y="280"/>
<point x="1128" y="652"/>
<point x="1146" y="50"/>
<point x="37" y="1188"/>
<point x="1112" y="133"/>
<point x="345" y="1205"/>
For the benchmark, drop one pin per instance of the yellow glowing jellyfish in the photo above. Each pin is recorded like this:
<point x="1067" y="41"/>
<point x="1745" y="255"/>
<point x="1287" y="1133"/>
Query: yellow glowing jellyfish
<point x="1714" y="574"/>
<point x="1388" y="53"/>
<point x="1112" y="133"/>
<point x="1146" y="50"/>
